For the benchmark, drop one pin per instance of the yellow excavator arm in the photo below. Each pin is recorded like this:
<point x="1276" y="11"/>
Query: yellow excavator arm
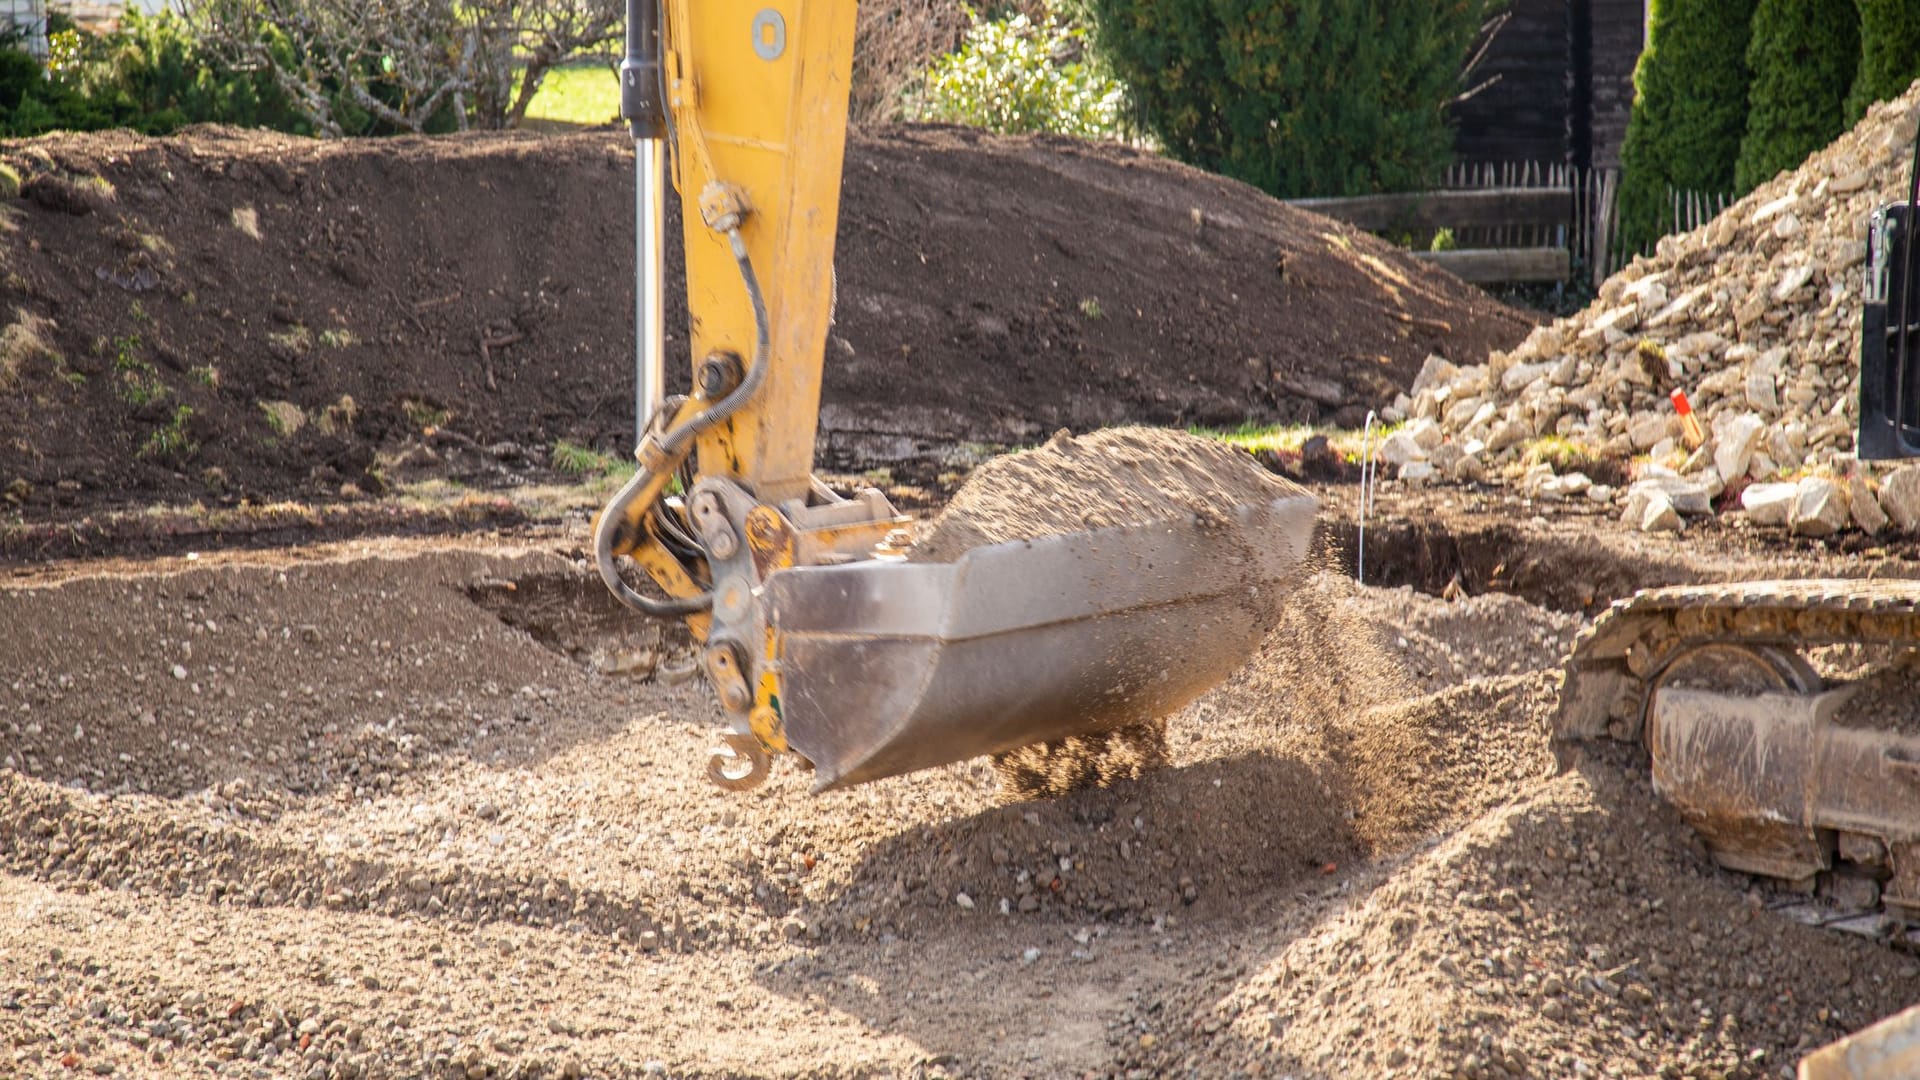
<point x="814" y="638"/>
<point x="754" y="99"/>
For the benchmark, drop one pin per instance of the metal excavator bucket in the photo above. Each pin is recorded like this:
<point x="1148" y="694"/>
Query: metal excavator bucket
<point x="887" y="667"/>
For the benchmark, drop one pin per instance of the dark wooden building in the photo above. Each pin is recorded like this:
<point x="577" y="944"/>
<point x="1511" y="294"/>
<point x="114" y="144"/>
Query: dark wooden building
<point x="1555" y="84"/>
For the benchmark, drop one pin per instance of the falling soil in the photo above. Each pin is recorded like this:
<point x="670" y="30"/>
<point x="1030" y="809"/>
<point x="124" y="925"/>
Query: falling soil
<point x="228" y="315"/>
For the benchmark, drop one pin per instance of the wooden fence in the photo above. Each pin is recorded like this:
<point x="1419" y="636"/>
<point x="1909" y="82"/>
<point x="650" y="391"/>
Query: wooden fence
<point x="1512" y="232"/>
<point x="1516" y="220"/>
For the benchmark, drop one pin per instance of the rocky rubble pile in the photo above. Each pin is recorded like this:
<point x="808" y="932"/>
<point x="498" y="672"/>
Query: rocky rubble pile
<point x="1755" y="318"/>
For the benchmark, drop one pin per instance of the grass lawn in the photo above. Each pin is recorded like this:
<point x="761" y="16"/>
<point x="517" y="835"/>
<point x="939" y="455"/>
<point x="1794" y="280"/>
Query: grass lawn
<point x="1286" y="438"/>
<point x="578" y="95"/>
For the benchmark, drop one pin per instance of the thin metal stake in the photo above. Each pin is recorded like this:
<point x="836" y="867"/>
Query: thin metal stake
<point x="1368" y="469"/>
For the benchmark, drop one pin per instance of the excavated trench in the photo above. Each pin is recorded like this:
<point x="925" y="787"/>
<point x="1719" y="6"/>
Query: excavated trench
<point x="1565" y="572"/>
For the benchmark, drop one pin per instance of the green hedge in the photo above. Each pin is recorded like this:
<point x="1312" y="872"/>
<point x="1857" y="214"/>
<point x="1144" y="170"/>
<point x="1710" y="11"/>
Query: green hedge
<point x="150" y="76"/>
<point x="1889" y="53"/>
<point x="1803" y="55"/>
<point x="1689" y="113"/>
<point x="1298" y="97"/>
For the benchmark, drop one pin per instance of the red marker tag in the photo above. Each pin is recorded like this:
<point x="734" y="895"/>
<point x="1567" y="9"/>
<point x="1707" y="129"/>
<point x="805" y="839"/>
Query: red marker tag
<point x="1689" y="423"/>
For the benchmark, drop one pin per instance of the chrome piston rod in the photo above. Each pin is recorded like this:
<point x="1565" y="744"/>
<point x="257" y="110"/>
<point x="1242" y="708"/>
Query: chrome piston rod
<point x="649" y="300"/>
<point x="644" y="107"/>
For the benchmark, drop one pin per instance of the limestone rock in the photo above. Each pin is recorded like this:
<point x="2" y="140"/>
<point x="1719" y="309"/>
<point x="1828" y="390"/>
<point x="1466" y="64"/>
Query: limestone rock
<point x="1425" y="434"/>
<point x="1733" y="443"/>
<point x="1689" y="497"/>
<point x="1866" y="508"/>
<point x="1435" y="372"/>
<point x="1819" y="507"/>
<point x="1507" y="433"/>
<point x="1647" y="429"/>
<point x="1900" y="497"/>
<point x="1660" y="515"/>
<point x="1399" y="449"/>
<point x="1418" y="471"/>
<point x="1520" y="376"/>
<point x="1768" y="504"/>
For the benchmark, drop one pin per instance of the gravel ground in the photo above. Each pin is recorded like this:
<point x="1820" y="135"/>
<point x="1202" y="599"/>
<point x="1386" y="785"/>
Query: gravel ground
<point x="365" y="812"/>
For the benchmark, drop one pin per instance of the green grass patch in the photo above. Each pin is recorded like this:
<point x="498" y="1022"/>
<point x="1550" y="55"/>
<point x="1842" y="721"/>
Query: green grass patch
<point x="284" y="417"/>
<point x="1565" y="455"/>
<point x="140" y="384"/>
<point x="586" y="95"/>
<point x="21" y="343"/>
<point x="1288" y="438"/>
<point x="170" y="440"/>
<point x="577" y="460"/>
<point x="298" y="339"/>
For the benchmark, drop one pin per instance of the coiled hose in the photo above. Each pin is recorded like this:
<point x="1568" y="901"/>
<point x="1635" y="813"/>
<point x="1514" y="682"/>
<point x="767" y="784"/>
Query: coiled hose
<point x="674" y="447"/>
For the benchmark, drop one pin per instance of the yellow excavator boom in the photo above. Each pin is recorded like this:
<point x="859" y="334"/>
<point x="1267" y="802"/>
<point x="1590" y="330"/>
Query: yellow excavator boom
<point x="865" y="667"/>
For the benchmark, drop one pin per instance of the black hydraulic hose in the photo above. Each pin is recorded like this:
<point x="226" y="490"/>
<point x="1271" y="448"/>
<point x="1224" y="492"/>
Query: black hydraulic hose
<point x="675" y="444"/>
<point x="671" y="608"/>
<point x="677" y="440"/>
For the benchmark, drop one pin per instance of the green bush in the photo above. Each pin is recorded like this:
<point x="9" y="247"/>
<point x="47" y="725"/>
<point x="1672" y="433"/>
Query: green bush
<point x="1689" y="112"/>
<point x="1803" y="55"/>
<point x="150" y="76"/>
<point x="1014" y="76"/>
<point x="1298" y="97"/>
<point x="1889" y="54"/>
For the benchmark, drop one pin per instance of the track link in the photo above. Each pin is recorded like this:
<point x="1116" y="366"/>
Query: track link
<point x="1616" y="661"/>
<point x="1743" y="745"/>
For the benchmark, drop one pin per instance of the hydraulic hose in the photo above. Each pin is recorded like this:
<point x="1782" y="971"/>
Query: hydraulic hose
<point x="674" y="447"/>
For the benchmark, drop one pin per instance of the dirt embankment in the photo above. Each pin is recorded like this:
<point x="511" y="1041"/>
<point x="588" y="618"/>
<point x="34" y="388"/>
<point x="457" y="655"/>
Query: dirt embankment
<point x="233" y="314"/>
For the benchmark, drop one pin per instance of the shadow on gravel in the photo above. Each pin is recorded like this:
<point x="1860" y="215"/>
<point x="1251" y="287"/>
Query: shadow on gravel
<point x="1085" y="880"/>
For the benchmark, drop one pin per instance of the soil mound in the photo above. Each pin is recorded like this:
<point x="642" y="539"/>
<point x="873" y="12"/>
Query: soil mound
<point x="231" y="314"/>
<point x="1573" y="932"/>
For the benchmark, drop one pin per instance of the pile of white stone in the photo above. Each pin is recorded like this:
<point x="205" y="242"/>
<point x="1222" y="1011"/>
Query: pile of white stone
<point x="1754" y="316"/>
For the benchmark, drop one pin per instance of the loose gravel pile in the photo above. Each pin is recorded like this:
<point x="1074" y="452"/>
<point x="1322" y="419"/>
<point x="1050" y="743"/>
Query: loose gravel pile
<point x="455" y="849"/>
<point x="1756" y="316"/>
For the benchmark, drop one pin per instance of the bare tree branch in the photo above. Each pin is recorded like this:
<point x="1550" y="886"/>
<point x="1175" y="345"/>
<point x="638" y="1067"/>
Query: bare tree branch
<point x="406" y="63"/>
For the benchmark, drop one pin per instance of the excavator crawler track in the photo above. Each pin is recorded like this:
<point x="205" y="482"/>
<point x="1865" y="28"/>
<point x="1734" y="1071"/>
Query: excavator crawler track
<point x="1749" y="743"/>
